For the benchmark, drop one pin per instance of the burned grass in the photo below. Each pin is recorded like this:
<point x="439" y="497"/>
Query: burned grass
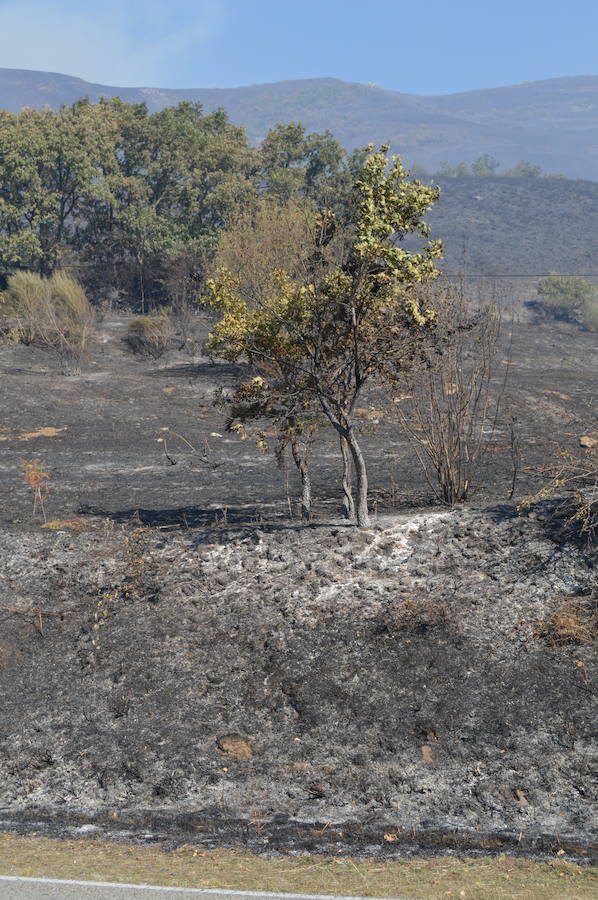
<point x="575" y="621"/>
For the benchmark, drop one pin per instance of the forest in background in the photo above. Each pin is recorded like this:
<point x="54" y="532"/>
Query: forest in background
<point x="132" y="203"/>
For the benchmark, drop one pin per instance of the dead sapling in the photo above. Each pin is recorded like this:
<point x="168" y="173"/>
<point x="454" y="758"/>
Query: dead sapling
<point x="450" y="411"/>
<point x="37" y="478"/>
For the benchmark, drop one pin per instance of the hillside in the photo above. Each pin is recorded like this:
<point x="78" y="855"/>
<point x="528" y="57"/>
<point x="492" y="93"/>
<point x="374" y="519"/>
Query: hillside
<point x="517" y="226"/>
<point x="178" y="653"/>
<point x="553" y="123"/>
<point x="378" y="682"/>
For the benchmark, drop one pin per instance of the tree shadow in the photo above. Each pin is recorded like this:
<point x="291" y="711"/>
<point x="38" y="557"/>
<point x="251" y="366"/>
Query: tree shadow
<point x="502" y="512"/>
<point x="210" y="524"/>
<point x="201" y="369"/>
<point x="556" y="520"/>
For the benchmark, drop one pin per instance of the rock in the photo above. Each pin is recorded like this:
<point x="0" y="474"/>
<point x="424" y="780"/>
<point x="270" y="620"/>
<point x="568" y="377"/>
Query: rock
<point x="588" y="442"/>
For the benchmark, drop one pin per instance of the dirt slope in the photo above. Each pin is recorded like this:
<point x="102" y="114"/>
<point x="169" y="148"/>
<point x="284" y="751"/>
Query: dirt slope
<point x="389" y="677"/>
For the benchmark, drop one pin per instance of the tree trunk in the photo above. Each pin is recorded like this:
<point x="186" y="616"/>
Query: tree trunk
<point x="348" y="502"/>
<point x="363" y="518"/>
<point x="300" y="459"/>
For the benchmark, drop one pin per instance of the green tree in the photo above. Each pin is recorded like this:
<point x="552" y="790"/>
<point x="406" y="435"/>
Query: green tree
<point x="523" y="169"/>
<point x="50" y="163"/>
<point x="294" y="163"/>
<point x="485" y="166"/>
<point x="446" y="170"/>
<point x="355" y="313"/>
<point x="461" y="170"/>
<point x="180" y="177"/>
<point x="276" y="407"/>
<point x="569" y="297"/>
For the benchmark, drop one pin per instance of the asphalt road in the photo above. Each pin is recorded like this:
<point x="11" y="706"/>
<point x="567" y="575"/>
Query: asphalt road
<point x="12" y="888"/>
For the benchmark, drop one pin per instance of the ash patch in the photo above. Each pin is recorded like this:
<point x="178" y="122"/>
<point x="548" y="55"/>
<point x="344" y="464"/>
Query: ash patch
<point x="388" y="677"/>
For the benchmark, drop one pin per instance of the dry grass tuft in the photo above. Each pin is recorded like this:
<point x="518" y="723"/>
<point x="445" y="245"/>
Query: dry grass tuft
<point x="66" y="525"/>
<point x="416" y="616"/>
<point x="53" y="312"/>
<point x="149" y="336"/>
<point x="236" y="746"/>
<point x="574" y="622"/>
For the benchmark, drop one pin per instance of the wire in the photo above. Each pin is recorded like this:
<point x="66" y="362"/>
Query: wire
<point x="473" y="275"/>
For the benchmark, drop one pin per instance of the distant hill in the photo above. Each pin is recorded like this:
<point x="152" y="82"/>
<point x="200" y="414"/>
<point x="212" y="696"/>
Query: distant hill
<point x="553" y="123"/>
<point x="517" y="226"/>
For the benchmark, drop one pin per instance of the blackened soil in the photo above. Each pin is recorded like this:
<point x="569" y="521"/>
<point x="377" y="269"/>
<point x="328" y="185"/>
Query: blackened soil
<point x="114" y="439"/>
<point x="194" y="662"/>
<point x="277" y="675"/>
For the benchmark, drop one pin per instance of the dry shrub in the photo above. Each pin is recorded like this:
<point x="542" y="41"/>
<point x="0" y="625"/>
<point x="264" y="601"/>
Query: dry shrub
<point x="25" y="299"/>
<point x="36" y="477"/>
<point x="53" y="312"/>
<point x="574" y="622"/>
<point x="450" y="412"/>
<point x="577" y="478"/>
<point x="149" y="336"/>
<point x="416" y="616"/>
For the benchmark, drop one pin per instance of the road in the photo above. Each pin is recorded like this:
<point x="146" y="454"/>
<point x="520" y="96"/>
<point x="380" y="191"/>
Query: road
<point x="12" y="888"/>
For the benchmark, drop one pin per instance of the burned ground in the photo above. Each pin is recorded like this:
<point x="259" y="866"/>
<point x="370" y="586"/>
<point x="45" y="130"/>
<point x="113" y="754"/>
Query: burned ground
<point x="103" y="435"/>
<point x="179" y="648"/>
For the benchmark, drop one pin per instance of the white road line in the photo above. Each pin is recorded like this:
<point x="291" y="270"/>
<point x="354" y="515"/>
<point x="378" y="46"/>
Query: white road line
<point x="217" y="892"/>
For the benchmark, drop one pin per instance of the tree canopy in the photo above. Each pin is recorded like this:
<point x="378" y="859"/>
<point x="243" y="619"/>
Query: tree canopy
<point x="127" y="198"/>
<point x="352" y="311"/>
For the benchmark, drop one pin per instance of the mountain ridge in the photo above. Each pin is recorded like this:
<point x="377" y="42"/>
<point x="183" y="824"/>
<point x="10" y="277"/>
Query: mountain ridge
<point x="552" y="122"/>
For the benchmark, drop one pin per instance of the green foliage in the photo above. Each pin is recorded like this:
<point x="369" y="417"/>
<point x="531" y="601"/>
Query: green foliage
<point x="141" y="200"/>
<point x="524" y="169"/>
<point x="569" y="297"/>
<point x="590" y="315"/>
<point x="50" y="164"/>
<point x="294" y="163"/>
<point x="485" y="166"/>
<point x="346" y="313"/>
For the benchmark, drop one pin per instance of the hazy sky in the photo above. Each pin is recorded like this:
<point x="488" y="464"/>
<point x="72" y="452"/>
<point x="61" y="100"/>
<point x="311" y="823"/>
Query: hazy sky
<point x="431" y="47"/>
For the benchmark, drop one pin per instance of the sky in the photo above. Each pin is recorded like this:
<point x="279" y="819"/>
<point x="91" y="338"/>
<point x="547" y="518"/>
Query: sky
<point x="427" y="48"/>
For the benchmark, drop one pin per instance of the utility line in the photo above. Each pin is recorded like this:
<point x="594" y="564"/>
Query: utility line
<point x="539" y="275"/>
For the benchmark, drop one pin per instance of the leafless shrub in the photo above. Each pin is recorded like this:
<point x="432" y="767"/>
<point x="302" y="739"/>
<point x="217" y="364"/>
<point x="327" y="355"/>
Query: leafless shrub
<point x="450" y="411"/>
<point x="149" y="336"/>
<point x="53" y="312"/>
<point x="181" y="282"/>
<point x="576" y="478"/>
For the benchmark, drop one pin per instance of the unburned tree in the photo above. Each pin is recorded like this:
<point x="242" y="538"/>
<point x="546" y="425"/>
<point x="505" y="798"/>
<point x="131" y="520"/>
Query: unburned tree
<point x="276" y="408"/>
<point x="353" y="311"/>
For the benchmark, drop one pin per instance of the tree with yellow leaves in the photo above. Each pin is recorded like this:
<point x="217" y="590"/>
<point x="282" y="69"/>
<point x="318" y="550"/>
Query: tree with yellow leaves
<point x="353" y="311"/>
